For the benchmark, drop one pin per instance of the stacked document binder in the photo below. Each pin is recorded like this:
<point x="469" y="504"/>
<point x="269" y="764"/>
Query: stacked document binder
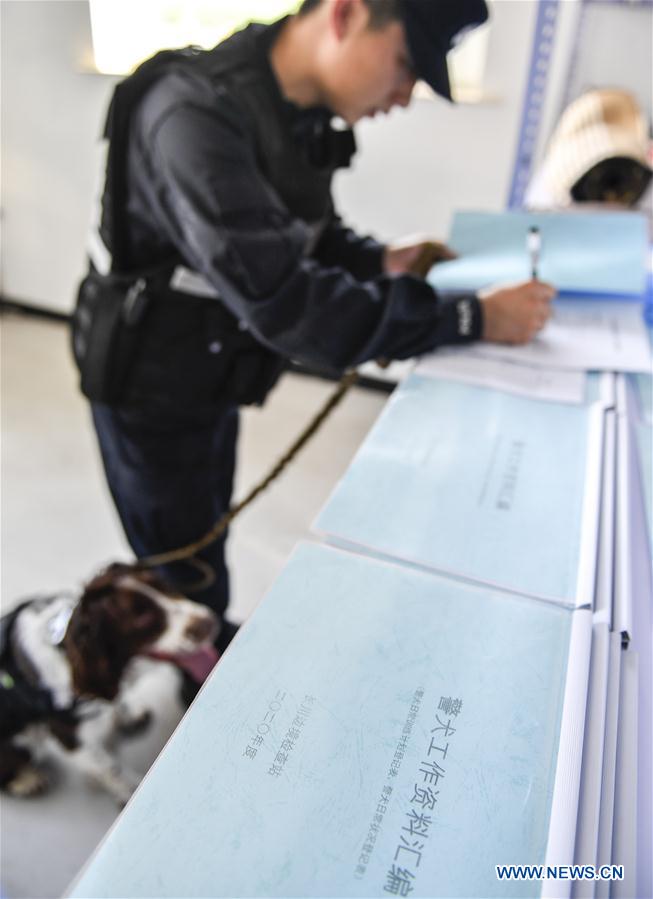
<point x="429" y="487"/>
<point x="478" y="484"/>
<point x="373" y="729"/>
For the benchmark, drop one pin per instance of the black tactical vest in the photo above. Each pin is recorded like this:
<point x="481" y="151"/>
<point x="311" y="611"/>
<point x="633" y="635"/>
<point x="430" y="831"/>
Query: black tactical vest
<point x="133" y="354"/>
<point x="298" y="161"/>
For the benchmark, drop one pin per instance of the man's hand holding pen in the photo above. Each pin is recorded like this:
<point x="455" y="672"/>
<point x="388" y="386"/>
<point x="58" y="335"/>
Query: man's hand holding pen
<point x="512" y="313"/>
<point x="516" y="313"/>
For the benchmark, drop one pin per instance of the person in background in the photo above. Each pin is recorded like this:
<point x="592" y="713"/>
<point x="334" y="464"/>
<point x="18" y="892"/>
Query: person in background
<point x="219" y="253"/>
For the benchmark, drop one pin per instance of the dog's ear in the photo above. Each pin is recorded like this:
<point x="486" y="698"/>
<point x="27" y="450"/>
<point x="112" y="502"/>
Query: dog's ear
<point x="106" y="578"/>
<point x="94" y="647"/>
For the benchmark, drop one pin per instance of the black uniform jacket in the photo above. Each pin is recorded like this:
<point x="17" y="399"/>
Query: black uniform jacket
<point x="228" y="178"/>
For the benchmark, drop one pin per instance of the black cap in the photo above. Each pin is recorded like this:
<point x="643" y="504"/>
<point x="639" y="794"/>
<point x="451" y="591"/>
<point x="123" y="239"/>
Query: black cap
<point x="433" y="28"/>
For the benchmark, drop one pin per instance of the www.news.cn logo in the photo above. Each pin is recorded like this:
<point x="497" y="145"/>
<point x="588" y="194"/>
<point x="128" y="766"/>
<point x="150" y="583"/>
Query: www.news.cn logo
<point x="559" y="872"/>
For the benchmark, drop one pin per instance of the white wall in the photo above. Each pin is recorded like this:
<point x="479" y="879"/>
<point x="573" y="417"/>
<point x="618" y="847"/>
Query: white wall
<point x="51" y="116"/>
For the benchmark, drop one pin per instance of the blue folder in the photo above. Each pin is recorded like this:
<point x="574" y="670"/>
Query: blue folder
<point x="479" y="484"/>
<point x="372" y="731"/>
<point x="602" y="253"/>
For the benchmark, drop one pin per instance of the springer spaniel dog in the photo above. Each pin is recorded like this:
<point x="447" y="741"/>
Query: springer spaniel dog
<point x="64" y="661"/>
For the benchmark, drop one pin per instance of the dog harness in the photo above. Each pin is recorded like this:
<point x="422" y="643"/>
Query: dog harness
<point x="22" y="700"/>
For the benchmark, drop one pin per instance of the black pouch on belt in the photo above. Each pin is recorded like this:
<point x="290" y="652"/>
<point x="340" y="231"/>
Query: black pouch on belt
<point x="105" y="333"/>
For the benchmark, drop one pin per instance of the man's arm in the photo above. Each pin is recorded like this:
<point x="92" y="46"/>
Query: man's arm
<point x="362" y="256"/>
<point x="511" y="313"/>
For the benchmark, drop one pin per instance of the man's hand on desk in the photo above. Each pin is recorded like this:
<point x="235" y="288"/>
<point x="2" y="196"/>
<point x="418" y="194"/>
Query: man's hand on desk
<point x="516" y="313"/>
<point x="415" y="257"/>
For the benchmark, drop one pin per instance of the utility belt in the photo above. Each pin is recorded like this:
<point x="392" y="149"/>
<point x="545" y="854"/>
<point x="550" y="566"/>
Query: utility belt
<point x="137" y="341"/>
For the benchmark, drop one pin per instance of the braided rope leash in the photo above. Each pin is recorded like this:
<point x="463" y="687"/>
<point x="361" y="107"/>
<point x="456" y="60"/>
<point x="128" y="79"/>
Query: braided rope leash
<point x="189" y="551"/>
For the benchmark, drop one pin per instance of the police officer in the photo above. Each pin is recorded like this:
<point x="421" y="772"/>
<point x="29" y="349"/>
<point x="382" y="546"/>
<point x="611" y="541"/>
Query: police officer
<point x="219" y="253"/>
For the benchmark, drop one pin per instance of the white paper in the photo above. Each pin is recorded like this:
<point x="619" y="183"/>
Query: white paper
<point x="589" y="806"/>
<point x="622" y="612"/>
<point x="609" y="762"/>
<point x="587" y="562"/>
<point x="635" y="555"/>
<point x="623" y="399"/>
<point x="564" y="808"/>
<point x="603" y="596"/>
<point x="585" y="335"/>
<point x="607" y="389"/>
<point x="624" y="832"/>
<point x="466" y="364"/>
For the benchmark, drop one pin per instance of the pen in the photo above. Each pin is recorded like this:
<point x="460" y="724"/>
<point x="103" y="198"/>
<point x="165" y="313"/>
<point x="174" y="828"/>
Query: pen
<point x="534" y="245"/>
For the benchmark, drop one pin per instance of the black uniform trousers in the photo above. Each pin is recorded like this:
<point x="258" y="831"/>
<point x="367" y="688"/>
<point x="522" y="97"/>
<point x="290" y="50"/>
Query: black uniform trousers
<point x="171" y="477"/>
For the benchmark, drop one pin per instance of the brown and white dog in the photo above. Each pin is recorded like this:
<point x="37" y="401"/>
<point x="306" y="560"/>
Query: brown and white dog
<point x="64" y="661"/>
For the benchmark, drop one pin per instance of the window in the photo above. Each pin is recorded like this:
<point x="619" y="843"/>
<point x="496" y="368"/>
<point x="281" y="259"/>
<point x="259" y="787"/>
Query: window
<point x="126" y="32"/>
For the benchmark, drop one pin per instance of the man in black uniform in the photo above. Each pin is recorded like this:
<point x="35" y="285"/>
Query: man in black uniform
<point x="220" y="255"/>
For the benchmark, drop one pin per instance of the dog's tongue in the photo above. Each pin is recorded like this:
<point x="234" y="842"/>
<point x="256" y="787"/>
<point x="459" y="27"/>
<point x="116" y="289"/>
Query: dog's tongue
<point x="199" y="663"/>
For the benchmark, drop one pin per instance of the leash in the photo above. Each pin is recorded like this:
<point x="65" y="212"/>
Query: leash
<point x="188" y="553"/>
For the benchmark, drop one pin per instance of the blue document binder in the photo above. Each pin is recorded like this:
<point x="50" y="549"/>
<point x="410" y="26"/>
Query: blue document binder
<point x="480" y="484"/>
<point x="372" y="731"/>
<point x="602" y="253"/>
